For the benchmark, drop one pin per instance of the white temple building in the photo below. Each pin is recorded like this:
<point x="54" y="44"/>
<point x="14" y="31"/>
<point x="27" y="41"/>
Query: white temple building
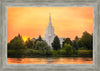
<point x="50" y="35"/>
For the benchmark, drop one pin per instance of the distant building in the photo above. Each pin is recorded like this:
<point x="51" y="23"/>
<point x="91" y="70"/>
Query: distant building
<point x="50" y="35"/>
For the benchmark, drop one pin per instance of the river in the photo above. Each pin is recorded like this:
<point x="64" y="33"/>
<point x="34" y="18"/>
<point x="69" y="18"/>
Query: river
<point x="61" y="60"/>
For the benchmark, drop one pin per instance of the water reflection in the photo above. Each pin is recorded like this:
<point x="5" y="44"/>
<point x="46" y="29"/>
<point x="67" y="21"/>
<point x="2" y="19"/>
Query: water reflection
<point x="62" y="60"/>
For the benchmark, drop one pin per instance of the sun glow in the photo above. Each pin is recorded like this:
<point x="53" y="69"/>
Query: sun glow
<point x="25" y="38"/>
<point x="33" y="21"/>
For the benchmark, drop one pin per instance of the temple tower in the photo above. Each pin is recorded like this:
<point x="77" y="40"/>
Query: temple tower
<point x="49" y="35"/>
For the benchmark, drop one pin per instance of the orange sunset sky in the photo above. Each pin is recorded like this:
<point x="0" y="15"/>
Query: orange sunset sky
<point x="32" y="21"/>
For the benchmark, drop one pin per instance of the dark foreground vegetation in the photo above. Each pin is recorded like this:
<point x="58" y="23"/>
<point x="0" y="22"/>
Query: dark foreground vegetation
<point x="79" y="47"/>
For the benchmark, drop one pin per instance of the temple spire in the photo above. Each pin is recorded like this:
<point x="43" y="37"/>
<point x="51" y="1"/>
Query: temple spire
<point x="50" y="19"/>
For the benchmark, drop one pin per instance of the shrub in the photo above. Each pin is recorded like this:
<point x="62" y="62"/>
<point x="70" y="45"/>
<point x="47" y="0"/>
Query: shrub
<point x="75" y="52"/>
<point x="54" y="52"/>
<point x="83" y="48"/>
<point x="62" y="52"/>
<point x="43" y="47"/>
<point x="35" y="52"/>
<point x="68" y="49"/>
<point x="29" y="52"/>
<point x="85" y="52"/>
<point x="14" y="53"/>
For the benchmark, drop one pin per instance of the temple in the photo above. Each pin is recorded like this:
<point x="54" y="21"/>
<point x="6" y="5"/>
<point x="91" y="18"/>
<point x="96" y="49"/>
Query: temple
<point x="50" y="35"/>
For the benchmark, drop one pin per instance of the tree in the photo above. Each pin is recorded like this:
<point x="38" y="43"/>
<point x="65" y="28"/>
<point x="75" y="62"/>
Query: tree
<point x="56" y="43"/>
<point x="16" y="43"/>
<point x="76" y="38"/>
<point x="75" y="52"/>
<point x="68" y="41"/>
<point x="75" y="43"/>
<point x="80" y="43"/>
<point x="43" y="47"/>
<point x="68" y="49"/>
<point x="39" y="39"/>
<point x="86" y="40"/>
<point x="91" y="41"/>
<point x="29" y="43"/>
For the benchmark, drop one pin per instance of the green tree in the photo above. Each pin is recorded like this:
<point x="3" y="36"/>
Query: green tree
<point x="39" y="39"/>
<point x="43" y="47"/>
<point x="56" y="43"/>
<point x="86" y="40"/>
<point x="75" y="43"/>
<point x="68" y="49"/>
<point x="75" y="52"/>
<point x="80" y="43"/>
<point x="16" y="43"/>
<point x="29" y="43"/>
<point x="76" y="38"/>
<point x="67" y="40"/>
<point x="36" y="40"/>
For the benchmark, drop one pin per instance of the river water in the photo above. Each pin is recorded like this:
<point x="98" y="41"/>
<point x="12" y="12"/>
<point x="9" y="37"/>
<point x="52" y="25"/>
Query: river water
<point x="61" y="60"/>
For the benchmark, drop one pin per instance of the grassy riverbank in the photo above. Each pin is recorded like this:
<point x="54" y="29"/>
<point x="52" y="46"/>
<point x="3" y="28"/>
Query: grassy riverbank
<point x="29" y="53"/>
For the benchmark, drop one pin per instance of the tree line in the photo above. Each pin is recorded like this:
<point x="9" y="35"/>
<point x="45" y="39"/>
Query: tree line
<point x="85" y="42"/>
<point x="38" y="47"/>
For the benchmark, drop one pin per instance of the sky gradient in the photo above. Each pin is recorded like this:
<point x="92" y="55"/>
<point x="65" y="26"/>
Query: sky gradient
<point x="32" y="21"/>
